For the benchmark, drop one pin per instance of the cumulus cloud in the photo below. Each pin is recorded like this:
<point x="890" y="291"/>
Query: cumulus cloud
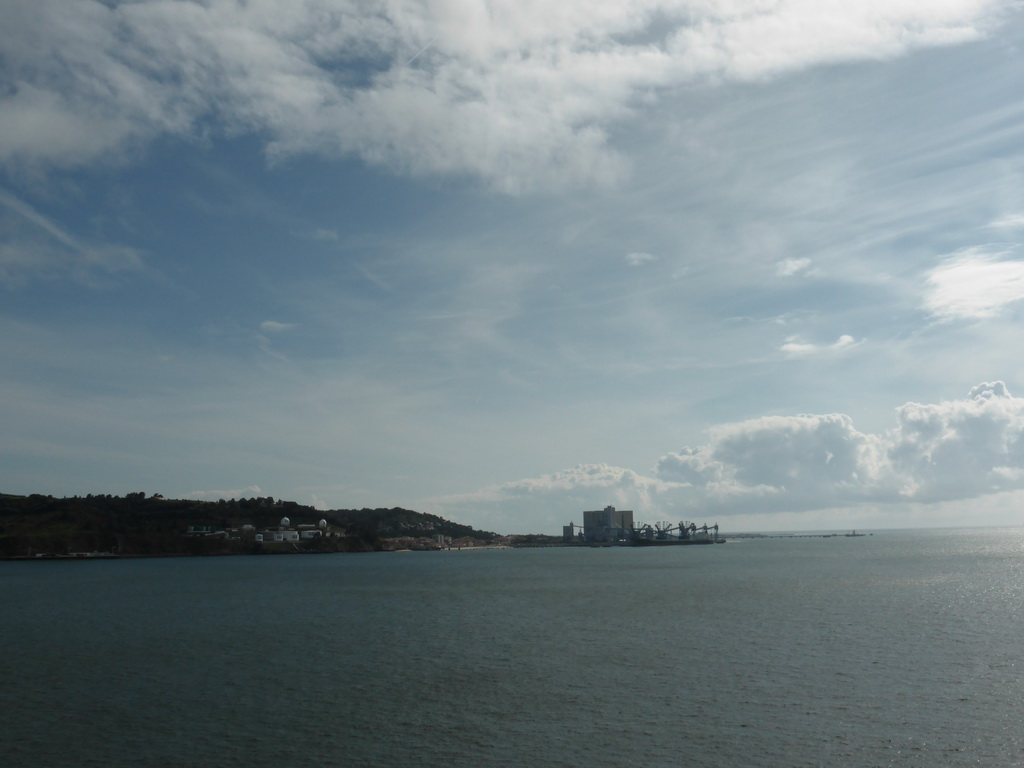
<point x="586" y="481"/>
<point x="522" y="95"/>
<point x="974" y="284"/>
<point x="585" y="486"/>
<point x="819" y="456"/>
<point x="942" y="452"/>
<point x="962" y="448"/>
<point x="951" y="450"/>
<point x="590" y="476"/>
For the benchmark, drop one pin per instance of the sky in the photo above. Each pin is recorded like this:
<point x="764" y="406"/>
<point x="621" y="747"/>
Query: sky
<point x="751" y="262"/>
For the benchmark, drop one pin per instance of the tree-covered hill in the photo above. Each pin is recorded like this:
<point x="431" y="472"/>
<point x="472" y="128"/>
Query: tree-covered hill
<point x="138" y="524"/>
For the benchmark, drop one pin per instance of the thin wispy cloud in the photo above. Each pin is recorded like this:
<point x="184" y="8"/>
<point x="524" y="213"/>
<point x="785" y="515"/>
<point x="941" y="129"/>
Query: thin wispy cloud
<point x="1011" y="221"/>
<point x="638" y="259"/>
<point x="35" y="246"/>
<point x="273" y="326"/>
<point x="33" y="217"/>
<point x="795" y="346"/>
<point x="974" y="284"/>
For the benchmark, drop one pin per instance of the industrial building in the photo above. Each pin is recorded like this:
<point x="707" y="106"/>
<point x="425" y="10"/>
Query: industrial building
<point x="616" y="526"/>
<point x="603" y="525"/>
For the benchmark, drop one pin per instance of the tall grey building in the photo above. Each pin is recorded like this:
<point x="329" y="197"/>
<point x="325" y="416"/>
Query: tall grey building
<point x="608" y="524"/>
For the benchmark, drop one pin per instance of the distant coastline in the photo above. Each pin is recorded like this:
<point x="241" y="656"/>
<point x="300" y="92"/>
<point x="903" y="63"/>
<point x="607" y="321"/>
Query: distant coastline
<point x="93" y="527"/>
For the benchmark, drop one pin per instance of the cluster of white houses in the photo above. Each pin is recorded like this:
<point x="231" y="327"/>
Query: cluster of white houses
<point x="284" y="533"/>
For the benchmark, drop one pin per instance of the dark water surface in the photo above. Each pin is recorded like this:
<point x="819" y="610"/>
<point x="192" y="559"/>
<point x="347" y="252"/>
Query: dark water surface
<point x="898" y="649"/>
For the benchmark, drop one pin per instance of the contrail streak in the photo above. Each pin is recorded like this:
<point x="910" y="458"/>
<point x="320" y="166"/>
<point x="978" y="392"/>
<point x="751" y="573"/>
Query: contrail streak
<point x="421" y="50"/>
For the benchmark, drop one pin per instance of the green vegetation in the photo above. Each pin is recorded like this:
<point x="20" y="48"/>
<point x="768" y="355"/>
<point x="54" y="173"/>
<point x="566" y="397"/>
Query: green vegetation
<point x="137" y="524"/>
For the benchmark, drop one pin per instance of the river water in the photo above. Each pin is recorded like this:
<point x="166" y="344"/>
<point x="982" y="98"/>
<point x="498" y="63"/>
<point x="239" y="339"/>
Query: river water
<point x="897" y="649"/>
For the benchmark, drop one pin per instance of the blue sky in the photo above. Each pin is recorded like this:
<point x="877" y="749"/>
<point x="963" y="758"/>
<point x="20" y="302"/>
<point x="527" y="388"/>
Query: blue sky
<point x="754" y="263"/>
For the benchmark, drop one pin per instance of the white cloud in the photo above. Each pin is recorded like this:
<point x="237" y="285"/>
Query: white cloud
<point x="639" y="259"/>
<point x="522" y="95"/>
<point x="752" y="40"/>
<point x="794" y="346"/>
<point x="943" y="452"/>
<point x="788" y="455"/>
<point x="623" y="483"/>
<point x="974" y="284"/>
<point x="549" y="498"/>
<point x="951" y="450"/>
<point x="272" y="326"/>
<point x="962" y="448"/>
<point x="1010" y="221"/>
<point x="790" y="267"/>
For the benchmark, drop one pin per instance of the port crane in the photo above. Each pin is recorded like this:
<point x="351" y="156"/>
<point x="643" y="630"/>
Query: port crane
<point x="685" y="530"/>
<point x="657" y="531"/>
<point x="660" y="531"/>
